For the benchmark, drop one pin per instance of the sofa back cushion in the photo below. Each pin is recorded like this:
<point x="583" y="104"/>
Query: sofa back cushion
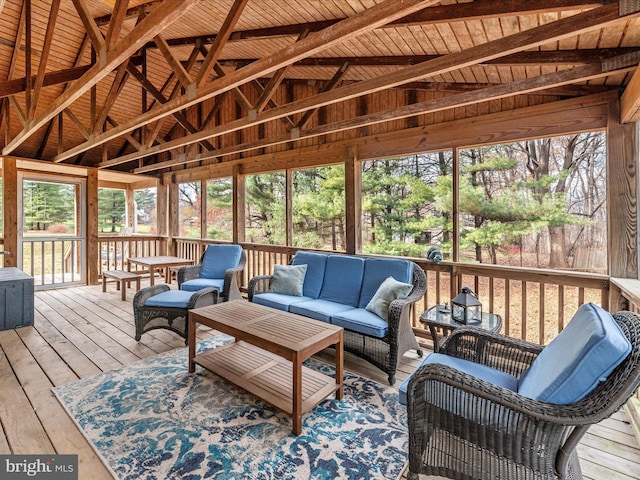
<point x="217" y="259"/>
<point x="376" y="270"/>
<point x="316" y="264"/>
<point x="343" y="279"/>
<point x="578" y="359"/>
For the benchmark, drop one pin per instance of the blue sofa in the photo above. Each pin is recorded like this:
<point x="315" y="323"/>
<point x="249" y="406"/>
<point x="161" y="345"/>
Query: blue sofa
<point x="338" y="288"/>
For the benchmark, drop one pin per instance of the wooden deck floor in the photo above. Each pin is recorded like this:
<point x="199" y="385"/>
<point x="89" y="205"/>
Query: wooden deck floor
<point x="81" y="331"/>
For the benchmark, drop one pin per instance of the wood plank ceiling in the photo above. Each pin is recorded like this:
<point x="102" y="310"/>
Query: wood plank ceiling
<point x="145" y="86"/>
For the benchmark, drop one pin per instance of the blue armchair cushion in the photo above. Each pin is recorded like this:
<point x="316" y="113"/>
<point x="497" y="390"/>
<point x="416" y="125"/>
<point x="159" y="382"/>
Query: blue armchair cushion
<point x="477" y="370"/>
<point x="170" y="298"/>
<point x="319" y="309"/>
<point x="390" y="290"/>
<point x="288" y="279"/>
<point x="361" y="321"/>
<point x="376" y="270"/>
<point x="218" y="259"/>
<point x="278" y="300"/>
<point x="199" y="283"/>
<point x="316" y="264"/>
<point x="578" y="359"/>
<point x="342" y="280"/>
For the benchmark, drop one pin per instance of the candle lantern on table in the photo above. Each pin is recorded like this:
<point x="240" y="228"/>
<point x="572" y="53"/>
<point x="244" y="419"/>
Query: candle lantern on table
<point x="466" y="308"/>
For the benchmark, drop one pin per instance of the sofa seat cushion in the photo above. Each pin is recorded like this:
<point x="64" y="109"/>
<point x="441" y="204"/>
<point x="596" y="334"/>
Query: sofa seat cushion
<point x="200" y="283"/>
<point x="377" y="270"/>
<point x="361" y="321"/>
<point x="316" y="264"/>
<point x="218" y="259"/>
<point x="170" y="299"/>
<point x="343" y="280"/>
<point x="477" y="370"/>
<point x="278" y="300"/>
<point x="318" y="309"/>
<point x="578" y="359"/>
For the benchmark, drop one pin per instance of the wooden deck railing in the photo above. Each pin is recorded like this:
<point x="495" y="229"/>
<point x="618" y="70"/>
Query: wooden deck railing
<point x="534" y="304"/>
<point x="115" y="249"/>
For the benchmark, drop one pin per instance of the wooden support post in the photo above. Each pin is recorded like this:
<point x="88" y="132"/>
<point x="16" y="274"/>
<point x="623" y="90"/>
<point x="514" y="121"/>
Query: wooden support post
<point x="289" y="206"/>
<point x="174" y="217"/>
<point x="161" y="215"/>
<point x="131" y="209"/>
<point x="353" y="200"/>
<point x="622" y="195"/>
<point x="10" y="202"/>
<point x="203" y="209"/>
<point x="92" y="227"/>
<point x="238" y="205"/>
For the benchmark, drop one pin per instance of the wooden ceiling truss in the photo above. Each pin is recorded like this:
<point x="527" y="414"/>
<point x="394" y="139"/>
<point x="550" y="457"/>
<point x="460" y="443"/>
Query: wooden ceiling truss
<point x="197" y="91"/>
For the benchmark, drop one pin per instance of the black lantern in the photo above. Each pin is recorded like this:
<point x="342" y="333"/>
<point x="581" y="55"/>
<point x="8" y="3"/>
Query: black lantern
<point x="466" y="308"/>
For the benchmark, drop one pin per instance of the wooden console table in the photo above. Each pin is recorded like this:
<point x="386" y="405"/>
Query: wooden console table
<point x="266" y="359"/>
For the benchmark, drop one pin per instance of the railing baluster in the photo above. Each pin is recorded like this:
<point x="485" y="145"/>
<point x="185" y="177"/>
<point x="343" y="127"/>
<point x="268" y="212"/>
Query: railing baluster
<point x="541" y="314"/>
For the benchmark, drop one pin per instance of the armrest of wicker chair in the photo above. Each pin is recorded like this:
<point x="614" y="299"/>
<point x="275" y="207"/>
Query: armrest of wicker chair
<point x="231" y="290"/>
<point x="188" y="272"/>
<point x="258" y="284"/>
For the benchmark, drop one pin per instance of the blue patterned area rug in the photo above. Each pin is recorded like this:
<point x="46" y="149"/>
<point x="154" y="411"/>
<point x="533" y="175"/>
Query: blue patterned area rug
<point x="154" y="420"/>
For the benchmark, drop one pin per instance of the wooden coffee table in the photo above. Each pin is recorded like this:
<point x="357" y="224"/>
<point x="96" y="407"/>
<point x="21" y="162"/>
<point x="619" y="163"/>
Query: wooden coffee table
<point x="266" y="359"/>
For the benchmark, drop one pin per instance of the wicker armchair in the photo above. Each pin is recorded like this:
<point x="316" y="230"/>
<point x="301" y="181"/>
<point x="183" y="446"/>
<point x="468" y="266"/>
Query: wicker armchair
<point x="171" y="315"/>
<point x="464" y="428"/>
<point x="227" y="286"/>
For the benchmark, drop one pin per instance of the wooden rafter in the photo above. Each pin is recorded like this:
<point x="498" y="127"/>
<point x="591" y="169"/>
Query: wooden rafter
<point x="176" y="67"/>
<point x="93" y="31"/>
<point x="161" y="17"/>
<point x="44" y="56"/>
<point x="518" y="87"/>
<point x="221" y="39"/>
<point x="116" y="87"/>
<point x="115" y="24"/>
<point x="351" y="27"/>
<point x="329" y="86"/>
<point x="558" y="30"/>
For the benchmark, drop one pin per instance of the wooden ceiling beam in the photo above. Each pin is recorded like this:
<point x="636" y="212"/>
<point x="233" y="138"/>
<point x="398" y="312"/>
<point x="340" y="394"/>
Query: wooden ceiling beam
<point x="518" y="87"/>
<point x="351" y="27"/>
<point x="554" y="31"/>
<point x="93" y="31"/>
<point x="176" y="67"/>
<point x="331" y="84"/>
<point x="160" y="18"/>
<point x="219" y="42"/>
<point x="545" y="57"/>
<point x="436" y="14"/>
<point x="115" y="24"/>
<point x="155" y="93"/>
<point x="116" y="87"/>
<point x="630" y="100"/>
<point x="44" y="56"/>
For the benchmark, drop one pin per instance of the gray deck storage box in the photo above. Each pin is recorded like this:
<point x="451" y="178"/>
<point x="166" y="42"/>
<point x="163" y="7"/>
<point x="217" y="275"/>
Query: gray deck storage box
<point x="16" y="298"/>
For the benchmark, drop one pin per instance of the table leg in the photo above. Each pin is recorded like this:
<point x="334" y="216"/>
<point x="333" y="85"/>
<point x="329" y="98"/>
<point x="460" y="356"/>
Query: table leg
<point x="296" y="411"/>
<point x="434" y="336"/>
<point x="340" y="367"/>
<point x="123" y="288"/>
<point x="104" y="282"/>
<point x="152" y="275"/>
<point x="191" y="340"/>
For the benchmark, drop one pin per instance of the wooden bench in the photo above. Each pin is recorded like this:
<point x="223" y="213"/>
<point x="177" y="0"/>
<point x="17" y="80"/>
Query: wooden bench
<point x="122" y="279"/>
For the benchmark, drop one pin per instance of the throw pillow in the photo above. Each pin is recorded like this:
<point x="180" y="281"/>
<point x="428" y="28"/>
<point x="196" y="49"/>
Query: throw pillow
<point x="390" y="290"/>
<point x="288" y="279"/>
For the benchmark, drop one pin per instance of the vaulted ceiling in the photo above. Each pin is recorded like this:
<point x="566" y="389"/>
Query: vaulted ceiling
<point x="146" y="86"/>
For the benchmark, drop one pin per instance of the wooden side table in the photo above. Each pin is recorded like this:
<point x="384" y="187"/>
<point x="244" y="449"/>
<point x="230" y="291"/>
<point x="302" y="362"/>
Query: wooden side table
<point x="440" y="317"/>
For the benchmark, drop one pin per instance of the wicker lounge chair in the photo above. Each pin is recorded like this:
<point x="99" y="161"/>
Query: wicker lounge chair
<point x="158" y="306"/>
<point x="482" y="431"/>
<point x="219" y="268"/>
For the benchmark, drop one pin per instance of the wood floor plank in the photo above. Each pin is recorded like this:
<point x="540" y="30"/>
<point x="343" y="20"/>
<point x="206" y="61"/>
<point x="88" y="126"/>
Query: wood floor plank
<point x="22" y="428"/>
<point x="80" y="332"/>
<point x="59" y="427"/>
